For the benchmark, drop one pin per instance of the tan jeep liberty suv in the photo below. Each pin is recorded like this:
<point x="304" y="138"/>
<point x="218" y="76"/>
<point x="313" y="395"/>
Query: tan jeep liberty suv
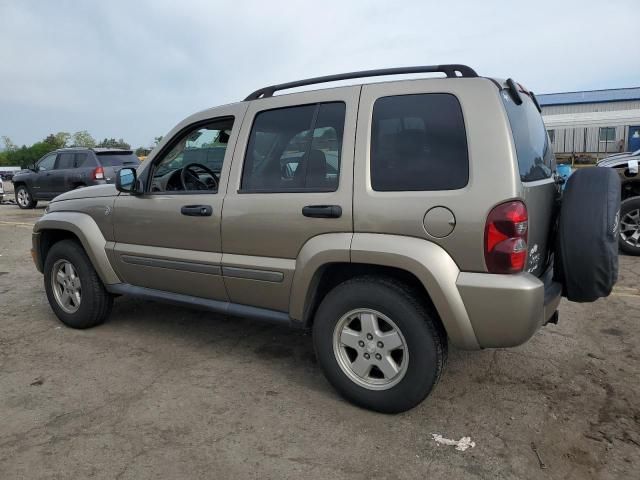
<point x="390" y="218"/>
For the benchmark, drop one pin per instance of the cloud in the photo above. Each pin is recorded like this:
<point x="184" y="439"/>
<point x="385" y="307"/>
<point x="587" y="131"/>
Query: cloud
<point x="134" y="69"/>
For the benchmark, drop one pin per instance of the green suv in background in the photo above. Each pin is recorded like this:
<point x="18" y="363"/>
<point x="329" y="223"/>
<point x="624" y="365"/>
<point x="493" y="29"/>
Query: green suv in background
<point x="392" y="219"/>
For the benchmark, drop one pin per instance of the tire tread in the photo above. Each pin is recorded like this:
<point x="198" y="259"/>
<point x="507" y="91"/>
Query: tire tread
<point x="400" y="297"/>
<point x="101" y="302"/>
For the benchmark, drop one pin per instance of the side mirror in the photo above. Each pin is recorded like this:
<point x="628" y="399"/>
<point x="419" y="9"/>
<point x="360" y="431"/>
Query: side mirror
<point x="126" y="180"/>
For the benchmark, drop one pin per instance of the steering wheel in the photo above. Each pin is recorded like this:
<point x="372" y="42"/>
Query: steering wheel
<point x="191" y="180"/>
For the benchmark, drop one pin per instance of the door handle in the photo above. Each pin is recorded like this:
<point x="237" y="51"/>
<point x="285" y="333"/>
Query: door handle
<point x="197" y="210"/>
<point x="322" y="211"/>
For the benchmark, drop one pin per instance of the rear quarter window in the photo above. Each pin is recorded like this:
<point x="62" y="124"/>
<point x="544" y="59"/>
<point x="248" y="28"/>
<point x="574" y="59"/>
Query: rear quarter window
<point x="418" y="143"/>
<point x="535" y="157"/>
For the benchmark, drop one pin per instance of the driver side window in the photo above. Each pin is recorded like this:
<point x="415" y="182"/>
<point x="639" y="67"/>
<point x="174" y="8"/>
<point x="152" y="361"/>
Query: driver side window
<point x="194" y="160"/>
<point x="47" y="163"/>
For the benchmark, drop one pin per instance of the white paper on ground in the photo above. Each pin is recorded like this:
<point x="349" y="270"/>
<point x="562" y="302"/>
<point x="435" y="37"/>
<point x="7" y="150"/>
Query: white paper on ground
<point x="462" y="444"/>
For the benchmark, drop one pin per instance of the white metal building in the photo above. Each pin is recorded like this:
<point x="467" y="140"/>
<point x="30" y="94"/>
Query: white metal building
<point x="592" y="124"/>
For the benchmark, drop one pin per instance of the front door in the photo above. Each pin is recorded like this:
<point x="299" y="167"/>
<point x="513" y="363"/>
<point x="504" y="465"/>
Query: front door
<point x="41" y="186"/>
<point x="169" y="237"/>
<point x="634" y="139"/>
<point x="291" y="181"/>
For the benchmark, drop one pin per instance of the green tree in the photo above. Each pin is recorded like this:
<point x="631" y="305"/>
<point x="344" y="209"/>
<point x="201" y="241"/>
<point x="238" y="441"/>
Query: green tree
<point x="157" y="140"/>
<point x="58" y="140"/>
<point x="113" y="143"/>
<point x="27" y="156"/>
<point x="83" y="139"/>
<point x="142" y="152"/>
<point x="62" y="138"/>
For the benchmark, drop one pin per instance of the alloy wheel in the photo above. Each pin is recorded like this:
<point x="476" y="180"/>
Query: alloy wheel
<point x="370" y="349"/>
<point x="67" y="288"/>
<point x="630" y="228"/>
<point x="23" y="197"/>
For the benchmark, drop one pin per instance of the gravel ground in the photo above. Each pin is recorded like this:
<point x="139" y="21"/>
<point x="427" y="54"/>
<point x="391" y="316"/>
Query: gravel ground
<point x="166" y="392"/>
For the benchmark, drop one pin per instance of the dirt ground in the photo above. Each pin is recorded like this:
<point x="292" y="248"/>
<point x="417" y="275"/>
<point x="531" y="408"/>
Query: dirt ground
<point x="166" y="392"/>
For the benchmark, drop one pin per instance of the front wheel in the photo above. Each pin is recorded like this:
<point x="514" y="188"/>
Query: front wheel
<point x="74" y="290"/>
<point x="629" y="239"/>
<point x="24" y="199"/>
<point x="378" y="344"/>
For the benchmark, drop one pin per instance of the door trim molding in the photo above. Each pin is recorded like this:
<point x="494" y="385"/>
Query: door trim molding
<point x="172" y="264"/>
<point x="252" y="274"/>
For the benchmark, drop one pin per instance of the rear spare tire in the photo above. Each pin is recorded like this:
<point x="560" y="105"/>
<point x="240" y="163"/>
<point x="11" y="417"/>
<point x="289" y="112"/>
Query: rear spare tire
<point x="586" y="260"/>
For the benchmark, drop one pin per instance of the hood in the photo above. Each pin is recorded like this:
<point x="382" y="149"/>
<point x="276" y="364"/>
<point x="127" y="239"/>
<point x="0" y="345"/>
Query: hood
<point x="88" y="192"/>
<point x="24" y="171"/>
<point x="618" y="158"/>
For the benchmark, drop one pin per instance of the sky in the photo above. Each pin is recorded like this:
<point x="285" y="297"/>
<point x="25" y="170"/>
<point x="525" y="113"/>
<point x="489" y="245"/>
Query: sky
<point x="134" y="69"/>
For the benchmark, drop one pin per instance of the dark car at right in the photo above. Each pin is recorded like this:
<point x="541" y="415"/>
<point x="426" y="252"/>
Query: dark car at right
<point x="626" y="165"/>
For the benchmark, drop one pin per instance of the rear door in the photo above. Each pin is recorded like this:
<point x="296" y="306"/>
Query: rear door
<point x="60" y="180"/>
<point x="291" y="180"/>
<point x="536" y="165"/>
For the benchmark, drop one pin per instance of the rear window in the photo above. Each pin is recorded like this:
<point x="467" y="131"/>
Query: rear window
<point x="535" y="157"/>
<point x="117" y="159"/>
<point x="418" y="142"/>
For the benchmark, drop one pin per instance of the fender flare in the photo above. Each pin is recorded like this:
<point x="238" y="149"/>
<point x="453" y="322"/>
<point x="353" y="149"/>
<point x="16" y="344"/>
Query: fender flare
<point x="87" y="231"/>
<point x="428" y="262"/>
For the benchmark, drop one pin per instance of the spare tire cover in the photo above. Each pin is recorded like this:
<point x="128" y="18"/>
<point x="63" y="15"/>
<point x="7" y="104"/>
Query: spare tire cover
<point x="586" y="256"/>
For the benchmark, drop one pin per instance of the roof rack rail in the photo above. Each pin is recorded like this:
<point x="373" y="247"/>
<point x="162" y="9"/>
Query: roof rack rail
<point x="450" y="70"/>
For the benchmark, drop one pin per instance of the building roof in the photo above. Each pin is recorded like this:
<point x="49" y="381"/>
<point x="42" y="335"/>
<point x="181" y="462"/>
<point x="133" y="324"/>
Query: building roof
<point x="589" y="96"/>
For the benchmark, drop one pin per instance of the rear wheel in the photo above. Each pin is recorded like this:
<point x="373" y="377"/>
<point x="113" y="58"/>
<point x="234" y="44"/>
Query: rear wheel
<point x="74" y="290"/>
<point x="587" y="244"/>
<point x="24" y="199"/>
<point x="378" y="344"/>
<point x="629" y="239"/>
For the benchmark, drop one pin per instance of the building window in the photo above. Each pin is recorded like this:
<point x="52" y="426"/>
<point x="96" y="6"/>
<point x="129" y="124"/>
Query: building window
<point x="552" y="135"/>
<point x="607" y="134"/>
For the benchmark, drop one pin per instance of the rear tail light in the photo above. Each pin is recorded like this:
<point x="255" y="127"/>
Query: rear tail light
<point x="505" y="238"/>
<point x="98" y="173"/>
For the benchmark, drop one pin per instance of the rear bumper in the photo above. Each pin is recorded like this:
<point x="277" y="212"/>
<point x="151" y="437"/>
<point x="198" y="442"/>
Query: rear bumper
<point x="506" y="310"/>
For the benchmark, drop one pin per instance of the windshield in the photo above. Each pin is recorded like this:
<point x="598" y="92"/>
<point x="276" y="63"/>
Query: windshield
<point x="535" y="158"/>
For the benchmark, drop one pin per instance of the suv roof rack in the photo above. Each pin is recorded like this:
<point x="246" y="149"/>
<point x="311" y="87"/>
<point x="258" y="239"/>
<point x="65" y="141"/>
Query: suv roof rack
<point x="450" y="70"/>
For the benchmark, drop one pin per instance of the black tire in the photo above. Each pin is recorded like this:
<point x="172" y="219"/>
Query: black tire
<point x="629" y="209"/>
<point x="95" y="303"/>
<point x="28" y="201"/>
<point x="586" y="254"/>
<point x="426" y="341"/>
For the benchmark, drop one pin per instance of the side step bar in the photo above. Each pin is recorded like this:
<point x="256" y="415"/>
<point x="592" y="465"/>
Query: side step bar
<point x="224" y="308"/>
